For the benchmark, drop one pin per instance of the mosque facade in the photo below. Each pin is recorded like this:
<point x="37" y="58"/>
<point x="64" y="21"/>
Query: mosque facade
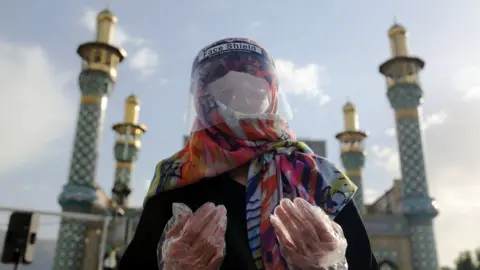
<point x="399" y="223"/>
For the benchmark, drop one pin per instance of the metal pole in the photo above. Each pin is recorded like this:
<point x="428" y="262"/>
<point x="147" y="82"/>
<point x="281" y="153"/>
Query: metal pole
<point x="89" y="217"/>
<point x="103" y="243"/>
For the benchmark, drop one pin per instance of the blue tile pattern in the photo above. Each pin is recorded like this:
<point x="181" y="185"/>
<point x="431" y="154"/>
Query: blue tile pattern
<point x="79" y="193"/>
<point x="417" y="206"/>
<point x="354" y="161"/>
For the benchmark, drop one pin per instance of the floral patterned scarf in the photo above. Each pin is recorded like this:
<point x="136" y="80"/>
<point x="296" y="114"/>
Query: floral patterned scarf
<point x="279" y="167"/>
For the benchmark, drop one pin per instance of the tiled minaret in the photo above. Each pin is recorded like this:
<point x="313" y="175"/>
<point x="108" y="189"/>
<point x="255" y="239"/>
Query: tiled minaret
<point x="352" y="151"/>
<point x="99" y="62"/>
<point x="405" y="94"/>
<point x="127" y="146"/>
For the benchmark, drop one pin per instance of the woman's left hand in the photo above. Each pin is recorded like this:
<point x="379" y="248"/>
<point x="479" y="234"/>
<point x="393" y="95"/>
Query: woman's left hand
<point x="308" y="238"/>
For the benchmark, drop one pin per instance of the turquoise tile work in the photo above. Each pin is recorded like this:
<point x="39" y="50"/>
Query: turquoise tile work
<point x="418" y="208"/>
<point x="79" y="194"/>
<point x="354" y="161"/>
<point x="387" y="256"/>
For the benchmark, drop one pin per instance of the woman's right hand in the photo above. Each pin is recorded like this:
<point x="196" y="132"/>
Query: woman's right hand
<point x="196" y="241"/>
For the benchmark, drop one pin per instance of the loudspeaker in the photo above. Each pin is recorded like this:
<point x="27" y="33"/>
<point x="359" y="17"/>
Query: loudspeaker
<point x="19" y="244"/>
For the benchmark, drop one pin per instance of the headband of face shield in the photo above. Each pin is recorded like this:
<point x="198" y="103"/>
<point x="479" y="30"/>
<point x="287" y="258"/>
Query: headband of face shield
<point x="235" y="80"/>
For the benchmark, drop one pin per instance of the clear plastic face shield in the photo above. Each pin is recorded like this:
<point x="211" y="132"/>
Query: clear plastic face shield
<point x="234" y="80"/>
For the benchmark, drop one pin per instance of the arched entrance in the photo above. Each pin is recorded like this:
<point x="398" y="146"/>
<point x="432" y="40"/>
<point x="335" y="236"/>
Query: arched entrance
<point x="387" y="265"/>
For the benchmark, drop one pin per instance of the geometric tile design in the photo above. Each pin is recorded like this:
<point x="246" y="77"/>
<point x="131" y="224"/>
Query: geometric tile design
<point x="414" y="181"/>
<point x="386" y="255"/>
<point x="95" y="83"/>
<point x="387" y="265"/>
<point x="416" y="207"/>
<point x="71" y="239"/>
<point x="423" y="246"/>
<point x="354" y="161"/>
<point x="126" y="152"/>
<point x="402" y="96"/>
<point x="85" y="149"/>
<point x="416" y="203"/>
<point x="70" y="245"/>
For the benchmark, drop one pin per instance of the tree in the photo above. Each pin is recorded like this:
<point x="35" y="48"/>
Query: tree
<point x="465" y="261"/>
<point x="477" y="255"/>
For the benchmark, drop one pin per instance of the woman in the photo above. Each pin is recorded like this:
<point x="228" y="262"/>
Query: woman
<point x="241" y="168"/>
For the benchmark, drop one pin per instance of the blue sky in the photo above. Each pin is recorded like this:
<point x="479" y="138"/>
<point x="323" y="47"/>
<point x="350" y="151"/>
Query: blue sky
<point x="327" y="51"/>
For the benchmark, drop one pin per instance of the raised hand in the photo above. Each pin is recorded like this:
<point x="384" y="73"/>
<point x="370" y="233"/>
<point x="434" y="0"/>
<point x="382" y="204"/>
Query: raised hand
<point x="308" y="238"/>
<point x="196" y="241"/>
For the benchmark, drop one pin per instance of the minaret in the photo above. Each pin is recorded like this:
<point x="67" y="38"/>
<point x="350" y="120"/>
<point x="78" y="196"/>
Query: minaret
<point x="99" y="62"/>
<point x="126" y="149"/>
<point x="352" y="151"/>
<point x="405" y="94"/>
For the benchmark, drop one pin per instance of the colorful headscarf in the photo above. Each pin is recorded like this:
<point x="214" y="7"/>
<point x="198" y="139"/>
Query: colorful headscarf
<point x="279" y="167"/>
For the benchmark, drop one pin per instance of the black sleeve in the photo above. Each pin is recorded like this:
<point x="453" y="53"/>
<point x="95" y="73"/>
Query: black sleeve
<point x="359" y="252"/>
<point x="142" y="250"/>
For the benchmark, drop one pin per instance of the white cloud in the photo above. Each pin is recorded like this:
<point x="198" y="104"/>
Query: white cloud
<point x="387" y="158"/>
<point x="143" y="58"/>
<point x="307" y="80"/>
<point x="34" y="109"/>
<point x="467" y="82"/>
<point x="371" y="195"/>
<point x="390" y="132"/>
<point x="434" y="119"/>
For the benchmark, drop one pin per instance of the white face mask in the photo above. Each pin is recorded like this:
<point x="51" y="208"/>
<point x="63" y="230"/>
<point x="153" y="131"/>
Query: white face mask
<point x="242" y="92"/>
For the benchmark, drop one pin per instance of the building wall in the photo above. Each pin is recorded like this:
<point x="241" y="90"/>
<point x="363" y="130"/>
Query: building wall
<point x="394" y="248"/>
<point x="319" y="147"/>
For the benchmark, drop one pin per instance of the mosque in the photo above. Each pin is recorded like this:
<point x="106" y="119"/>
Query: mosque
<point x="399" y="222"/>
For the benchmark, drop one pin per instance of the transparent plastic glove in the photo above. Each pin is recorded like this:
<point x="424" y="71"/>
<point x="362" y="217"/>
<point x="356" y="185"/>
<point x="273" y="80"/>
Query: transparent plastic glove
<point x="193" y="240"/>
<point x="308" y="238"/>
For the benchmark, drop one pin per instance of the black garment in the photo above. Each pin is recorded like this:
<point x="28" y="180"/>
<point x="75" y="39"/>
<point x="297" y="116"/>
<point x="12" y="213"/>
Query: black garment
<point x="142" y="251"/>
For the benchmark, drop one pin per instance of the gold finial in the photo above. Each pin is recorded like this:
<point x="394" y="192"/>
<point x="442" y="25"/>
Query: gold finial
<point x="348" y="106"/>
<point x="398" y="39"/>
<point x="100" y="54"/>
<point x="132" y="110"/>
<point x="350" y="117"/>
<point x="396" y="28"/>
<point x="106" y="21"/>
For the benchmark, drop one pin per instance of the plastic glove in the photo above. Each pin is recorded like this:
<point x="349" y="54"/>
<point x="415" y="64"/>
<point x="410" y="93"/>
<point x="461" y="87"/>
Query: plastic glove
<point x="308" y="238"/>
<point x="194" y="241"/>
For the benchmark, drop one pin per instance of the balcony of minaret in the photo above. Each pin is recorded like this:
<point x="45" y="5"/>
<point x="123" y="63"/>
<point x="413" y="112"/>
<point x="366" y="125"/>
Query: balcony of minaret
<point x="352" y="141"/>
<point x="402" y="70"/>
<point x="352" y="146"/>
<point x="101" y="57"/>
<point x="128" y="142"/>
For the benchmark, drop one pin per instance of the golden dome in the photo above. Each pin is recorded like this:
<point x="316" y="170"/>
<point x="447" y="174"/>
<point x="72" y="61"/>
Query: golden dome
<point x="106" y="14"/>
<point x="396" y="28"/>
<point x="348" y="107"/>
<point x="132" y="99"/>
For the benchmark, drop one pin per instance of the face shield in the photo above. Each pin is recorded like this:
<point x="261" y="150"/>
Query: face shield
<point x="234" y="81"/>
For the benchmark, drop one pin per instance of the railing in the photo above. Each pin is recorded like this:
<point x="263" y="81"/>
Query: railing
<point x="47" y="233"/>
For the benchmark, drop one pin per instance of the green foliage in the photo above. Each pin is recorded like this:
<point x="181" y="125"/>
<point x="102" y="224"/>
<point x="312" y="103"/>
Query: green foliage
<point x="466" y="260"/>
